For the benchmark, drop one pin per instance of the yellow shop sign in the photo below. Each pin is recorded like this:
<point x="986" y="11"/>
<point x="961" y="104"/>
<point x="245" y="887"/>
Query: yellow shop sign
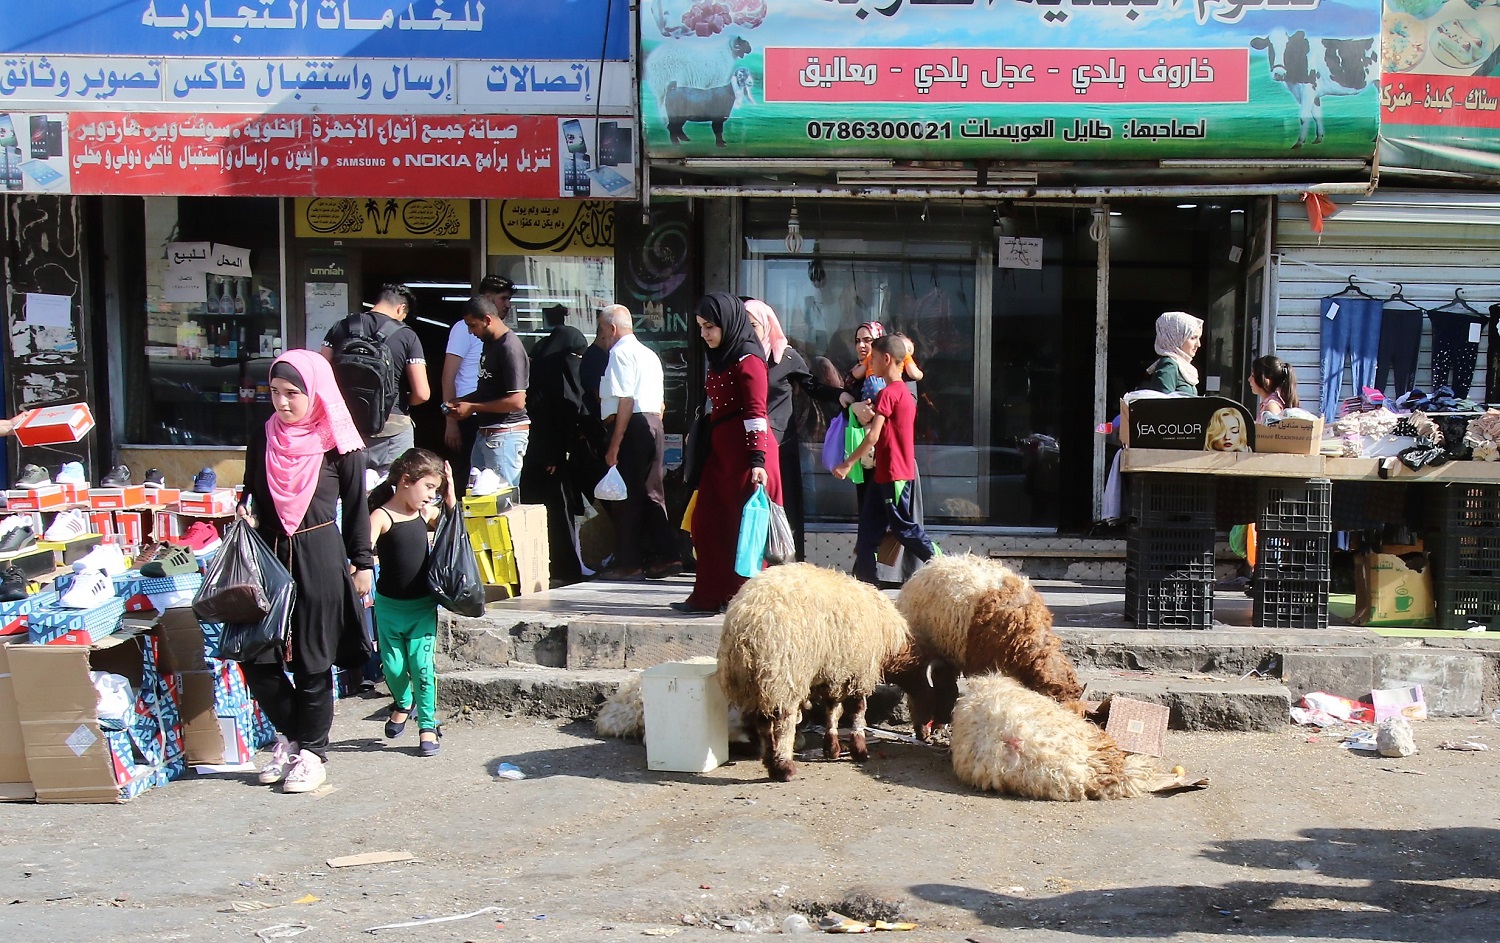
<point x="551" y="227"/>
<point x="381" y="218"/>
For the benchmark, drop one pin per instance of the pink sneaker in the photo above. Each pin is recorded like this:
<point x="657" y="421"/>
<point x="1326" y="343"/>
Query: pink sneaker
<point x="307" y="774"/>
<point x="283" y="755"/>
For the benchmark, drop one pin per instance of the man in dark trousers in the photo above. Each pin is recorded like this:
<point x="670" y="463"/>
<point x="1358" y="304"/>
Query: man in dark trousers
<point x="500" y="398"/>
<point x="632" y="397"/>
<point x="386" y="318"/>
<point x="554" y="400"/>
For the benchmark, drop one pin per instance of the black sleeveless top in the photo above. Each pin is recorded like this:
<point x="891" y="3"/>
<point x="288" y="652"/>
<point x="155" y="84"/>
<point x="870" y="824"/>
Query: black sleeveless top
<point x="403" y="559"/>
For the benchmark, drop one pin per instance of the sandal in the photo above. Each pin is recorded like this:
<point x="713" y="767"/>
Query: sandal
<point x="431" y="747"/>
<point x="394" y="729"/>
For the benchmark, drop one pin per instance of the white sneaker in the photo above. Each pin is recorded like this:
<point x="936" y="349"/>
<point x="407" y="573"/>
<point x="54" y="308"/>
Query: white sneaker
<point x="12" y="521"/>
<point x="486" y="482"/>
<point x="89" y="589"/>
<point x="283" y="755"/>
<point x="106" y="558"/>
<point x="307" y="773"/>
<point x="69" y="525"/>
<point x="71" y="474"/>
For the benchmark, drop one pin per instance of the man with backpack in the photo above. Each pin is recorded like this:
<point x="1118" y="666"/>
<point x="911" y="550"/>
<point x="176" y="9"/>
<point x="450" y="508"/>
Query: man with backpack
<point x="382" y="371"/>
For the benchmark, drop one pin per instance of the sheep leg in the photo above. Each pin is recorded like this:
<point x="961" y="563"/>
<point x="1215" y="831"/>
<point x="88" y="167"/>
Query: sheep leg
<point x="944" y="692"/>
<point x="858" y="748"/>
<point x="674" y="131"/>
<point x="718" y="125"/>
<point x="834" y="711"/>
<point x="781" y="733"/>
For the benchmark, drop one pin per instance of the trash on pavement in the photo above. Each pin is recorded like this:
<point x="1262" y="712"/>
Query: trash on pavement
<point x="509" y="771"/>
<point x="1342" y="708"/>
<point x="1138" y="726"/>
<point x="1404" y="701"/>
<point x="835" y="922"/>
<point x="281" y="931"/>
<point x="1363" y="741"/>
<point x="1467" y="746"/>
<point x="796" y="923"/>
<point x="1394" y="737"/>
<point x="371" y="857"/>
<point x="429" y="920"/>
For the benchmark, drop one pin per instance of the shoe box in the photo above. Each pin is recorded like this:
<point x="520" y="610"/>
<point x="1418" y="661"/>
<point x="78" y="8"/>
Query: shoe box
<point x="76" y="494"/>
<point x="15" y="615"/>
<point x="216" y="503"/>
<point x="511" y="548"/>
<point x="49" y="498"/>
<point x="57" y="625"/>
<point x="54" y="425"/>
<point x="171" y="592"/>
<point x="222" y="726"/>
<point x="129" y="588"/>
<point x="69" y="552"/>
<point x="117" y="499"/>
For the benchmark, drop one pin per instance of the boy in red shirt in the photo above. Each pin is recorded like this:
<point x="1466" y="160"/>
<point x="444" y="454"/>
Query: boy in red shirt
<point x="890" y="434"/>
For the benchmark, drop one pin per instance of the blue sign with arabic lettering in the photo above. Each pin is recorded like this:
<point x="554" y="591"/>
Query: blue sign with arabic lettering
<point x="434" y="29"/>
<point x="1002" y="79"/>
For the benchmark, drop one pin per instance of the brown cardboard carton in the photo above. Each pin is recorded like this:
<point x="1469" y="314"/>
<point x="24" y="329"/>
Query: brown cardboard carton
<point x="528" y="534"/>
<point x="15" y="779"/>
<point x="66" y="754"/>
<point x="1290" y="437"/>
<point x="1138" y="726"/>
<point x="181" y="641"/>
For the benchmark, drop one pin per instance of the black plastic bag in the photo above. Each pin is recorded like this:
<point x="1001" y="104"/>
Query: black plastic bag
<point x="781" y="545"/>
<point x="244" y="641"/>
<point x="452" y="571"/>
<point x="695" y="449"/>
<point x="233" y="589"/>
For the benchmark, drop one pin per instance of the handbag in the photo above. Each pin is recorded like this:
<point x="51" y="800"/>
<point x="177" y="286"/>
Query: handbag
<point x="854" y="437"/>
<point x="781" y="545"/>
<point x="833" y="441"/>
<point x="695" y="448"/>
<point x="452" y="571"/>
<point x="755" y="525"/>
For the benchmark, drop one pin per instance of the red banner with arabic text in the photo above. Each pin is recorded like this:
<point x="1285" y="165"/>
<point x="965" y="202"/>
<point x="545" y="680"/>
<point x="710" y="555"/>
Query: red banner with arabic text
<point x="315" y="155"/>
<point x="1455" y="101"/>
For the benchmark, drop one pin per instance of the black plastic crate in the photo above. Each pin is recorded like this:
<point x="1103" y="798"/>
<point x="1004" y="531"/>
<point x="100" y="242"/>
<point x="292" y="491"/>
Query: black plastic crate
<point x="1290" y="604"/>
<point x="1172" y="500"/>
<point x="1470" y="506"/>
<point x="1294" y="504"/>
<point x="1467" y="552"/>
<point x="1158" y="553"/>
<point x="1171" y="604"/>
<point x="1464" y="603"/>
<point x="1292" y="555"/>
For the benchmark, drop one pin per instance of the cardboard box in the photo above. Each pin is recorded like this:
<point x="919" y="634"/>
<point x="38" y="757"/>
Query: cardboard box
<point x="216" y="503"/>
<point x="49" y="498"/>
<point x="54" y="425"/>
<point x="1290" y="437"/>
<point x="129" y="528"/>
<point x="527" y="525"/>
<point x="1387" y="592"/>
<point x="1187" y="423"/>
<point x="162" y="496"/>
<point x="69" y="757"/>
<point x="489" y="505"/>
<point x="35" y="562"/>
<point x="69" y="552"/>
<point x="15" y="779"/>
<point x="116" y="499"/>
<point x="76" y="494"/>
<point x="59" y="626"/>
<point x="1138" y="726"/>
<point x="15" y="615"/>
<point x="183" y="643"/>
<point x="102" y="523"/>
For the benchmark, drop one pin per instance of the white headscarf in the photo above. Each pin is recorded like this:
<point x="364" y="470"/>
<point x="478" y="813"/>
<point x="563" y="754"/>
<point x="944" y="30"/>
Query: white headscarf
<point x="1173" y="330"/>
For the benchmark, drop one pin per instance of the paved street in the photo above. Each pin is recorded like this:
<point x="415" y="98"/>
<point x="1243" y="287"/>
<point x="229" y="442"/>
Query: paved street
<point x="1295" y="839"/>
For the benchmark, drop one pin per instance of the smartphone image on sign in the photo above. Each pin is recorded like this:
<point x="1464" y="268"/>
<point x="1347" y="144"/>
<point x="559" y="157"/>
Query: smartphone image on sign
<point x="573" y="136"/>
<point x="609" y="178"/>
<point x="42" y="174"/>
<point x="614" y="144"/>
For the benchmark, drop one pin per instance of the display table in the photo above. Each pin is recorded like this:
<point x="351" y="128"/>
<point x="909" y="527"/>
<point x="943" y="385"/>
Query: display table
<point x="1268" y="465"/>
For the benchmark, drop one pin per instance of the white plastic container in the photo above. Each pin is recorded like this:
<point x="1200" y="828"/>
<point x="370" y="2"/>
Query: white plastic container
<point x="687" y="717"/>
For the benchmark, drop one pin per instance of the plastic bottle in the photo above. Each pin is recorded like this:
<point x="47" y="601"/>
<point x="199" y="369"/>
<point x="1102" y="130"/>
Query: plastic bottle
<point x="796" y="923"/>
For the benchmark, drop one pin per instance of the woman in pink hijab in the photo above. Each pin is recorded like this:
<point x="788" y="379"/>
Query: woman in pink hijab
<point x="298" y="469"/>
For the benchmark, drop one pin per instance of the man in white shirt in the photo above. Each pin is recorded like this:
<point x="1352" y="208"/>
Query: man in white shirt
<point x="631" y="398"/>
<point x="461" y="376"/>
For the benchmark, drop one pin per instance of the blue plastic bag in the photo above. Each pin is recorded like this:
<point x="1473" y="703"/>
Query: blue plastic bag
<point x="833" y="442"/>
<point x="755" y="527"/>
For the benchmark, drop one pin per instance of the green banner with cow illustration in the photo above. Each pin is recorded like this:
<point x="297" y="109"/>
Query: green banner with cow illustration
<point x="1011" y="79"/>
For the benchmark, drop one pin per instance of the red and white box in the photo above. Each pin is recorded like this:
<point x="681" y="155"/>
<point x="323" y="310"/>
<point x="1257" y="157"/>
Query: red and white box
<point x="158" y="497"/>
<point x="114" y="499"/>
<point x="216" y="503"/>
<point x="165" y="525"/>
<point x="54" y="425"/>
<point x="36" y="499"/>
<point x="129" y="528"/>
<point x="102" y="523"/>
<point x="76" y="494"/>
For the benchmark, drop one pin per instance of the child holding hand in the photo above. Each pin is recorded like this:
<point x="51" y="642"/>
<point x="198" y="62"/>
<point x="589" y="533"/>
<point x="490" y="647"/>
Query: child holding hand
<point x="405" y="609"/>
<point x="890" y="435"/>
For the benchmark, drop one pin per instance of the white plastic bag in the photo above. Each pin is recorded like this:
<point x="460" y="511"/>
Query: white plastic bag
<point x="115" y="699"/>
<point x="611" y="487"/>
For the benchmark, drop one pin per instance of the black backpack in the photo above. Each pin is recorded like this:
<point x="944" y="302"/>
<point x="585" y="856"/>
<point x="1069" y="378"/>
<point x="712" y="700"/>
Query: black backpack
<point x="367" y="373"/>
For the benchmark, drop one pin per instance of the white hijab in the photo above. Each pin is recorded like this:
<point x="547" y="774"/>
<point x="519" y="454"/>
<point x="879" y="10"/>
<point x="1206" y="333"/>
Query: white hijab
<point x="1173" y="330"/>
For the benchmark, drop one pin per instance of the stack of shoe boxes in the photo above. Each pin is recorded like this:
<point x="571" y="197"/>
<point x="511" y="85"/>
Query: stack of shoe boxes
<point x="222" y="726"/>
<point x="510" y="545"/>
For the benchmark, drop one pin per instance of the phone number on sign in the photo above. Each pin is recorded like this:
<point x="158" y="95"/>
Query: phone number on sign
<point x="880" y="130"/>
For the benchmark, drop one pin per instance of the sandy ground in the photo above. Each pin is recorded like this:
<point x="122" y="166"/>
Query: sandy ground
<point x="1295" y="839"/>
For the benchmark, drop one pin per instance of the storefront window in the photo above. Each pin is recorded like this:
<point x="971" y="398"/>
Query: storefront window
<point x="213" y="320"/>
<point x="581" y="284"/>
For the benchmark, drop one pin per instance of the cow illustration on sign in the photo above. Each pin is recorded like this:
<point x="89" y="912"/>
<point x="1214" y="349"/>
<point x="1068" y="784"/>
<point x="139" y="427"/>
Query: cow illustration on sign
<point x="1313" y="68"/>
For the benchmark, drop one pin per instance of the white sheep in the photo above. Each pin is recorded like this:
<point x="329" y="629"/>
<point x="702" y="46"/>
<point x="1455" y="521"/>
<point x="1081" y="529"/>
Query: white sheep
<point x="1012" y="740"/>
<point x="692" y="63"/>
<point x="800" y="632"/>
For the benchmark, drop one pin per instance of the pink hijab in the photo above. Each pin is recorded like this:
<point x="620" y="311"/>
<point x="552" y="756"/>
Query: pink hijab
<point x="764" y="315"/>
<point x="294" y="451"/>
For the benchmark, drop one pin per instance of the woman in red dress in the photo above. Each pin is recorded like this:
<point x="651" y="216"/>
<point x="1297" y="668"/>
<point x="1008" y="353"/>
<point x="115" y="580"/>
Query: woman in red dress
<point x="742" y="450"/>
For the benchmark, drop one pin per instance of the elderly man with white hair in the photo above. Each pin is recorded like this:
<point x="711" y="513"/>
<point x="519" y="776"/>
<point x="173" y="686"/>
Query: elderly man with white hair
<point x="632" y="396"/>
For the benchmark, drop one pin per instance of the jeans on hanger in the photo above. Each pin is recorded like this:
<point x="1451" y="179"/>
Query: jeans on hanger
<point x="1455" y="349"/>
<point x="1352" y="332"/>
<point x="1400" y="343"/>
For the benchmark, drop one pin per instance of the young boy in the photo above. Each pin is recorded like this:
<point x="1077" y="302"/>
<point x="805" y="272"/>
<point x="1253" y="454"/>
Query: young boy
<point x="889" y="433"/>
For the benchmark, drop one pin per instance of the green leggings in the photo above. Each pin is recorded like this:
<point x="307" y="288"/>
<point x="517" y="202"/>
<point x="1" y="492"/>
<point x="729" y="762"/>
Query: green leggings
<point x="407" y="630"/>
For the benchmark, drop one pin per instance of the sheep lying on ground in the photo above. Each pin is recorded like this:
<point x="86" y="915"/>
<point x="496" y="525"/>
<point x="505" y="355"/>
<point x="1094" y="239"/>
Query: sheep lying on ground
<point x="974" y="616"/>
<point x="1016" y="741"/>
<point x="800" y="632"/>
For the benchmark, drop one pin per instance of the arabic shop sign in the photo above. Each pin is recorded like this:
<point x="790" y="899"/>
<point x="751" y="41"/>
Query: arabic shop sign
<point x="1013" y="79"/>
<point x="351" y="218"/>
<point x="1440" y="91"/>
<point x="551" y="227"/>
<point x="432" y="29"/>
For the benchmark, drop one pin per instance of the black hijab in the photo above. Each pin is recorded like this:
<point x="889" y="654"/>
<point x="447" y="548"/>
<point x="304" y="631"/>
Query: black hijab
<point x="728" y="312"/>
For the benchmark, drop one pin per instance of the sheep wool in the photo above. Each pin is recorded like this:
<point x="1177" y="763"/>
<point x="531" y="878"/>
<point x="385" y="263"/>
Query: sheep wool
<point x="1012" y="740"/>
<point x="800" y="631"/>
<point x="939" y="601"/>
<point x="694" y="63"/>
<point x="623" y="714"/>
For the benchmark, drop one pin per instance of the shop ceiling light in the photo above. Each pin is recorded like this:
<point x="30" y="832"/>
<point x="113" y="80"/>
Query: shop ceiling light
<point x="1187" y="206"/>
<point x="437" y="284"/>
<point x="793" y="231"/>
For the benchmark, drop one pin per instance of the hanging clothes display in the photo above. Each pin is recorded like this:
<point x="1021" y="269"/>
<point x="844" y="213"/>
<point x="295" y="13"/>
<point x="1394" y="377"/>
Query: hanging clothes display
<point x="1492" y="358"/>
<point x="1350" y="329"/>
<point x="1401" y="325"/>
<point x="1456" y="331"/>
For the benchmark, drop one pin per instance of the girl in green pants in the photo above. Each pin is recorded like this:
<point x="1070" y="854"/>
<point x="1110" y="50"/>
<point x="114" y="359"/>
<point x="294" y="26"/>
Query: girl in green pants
<point x="405" y="611"/>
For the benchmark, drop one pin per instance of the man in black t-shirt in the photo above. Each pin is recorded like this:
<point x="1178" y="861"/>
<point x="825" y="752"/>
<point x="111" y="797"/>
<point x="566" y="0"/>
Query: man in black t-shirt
<point x="394" y="303"/>
<point x="500" y="399"/>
